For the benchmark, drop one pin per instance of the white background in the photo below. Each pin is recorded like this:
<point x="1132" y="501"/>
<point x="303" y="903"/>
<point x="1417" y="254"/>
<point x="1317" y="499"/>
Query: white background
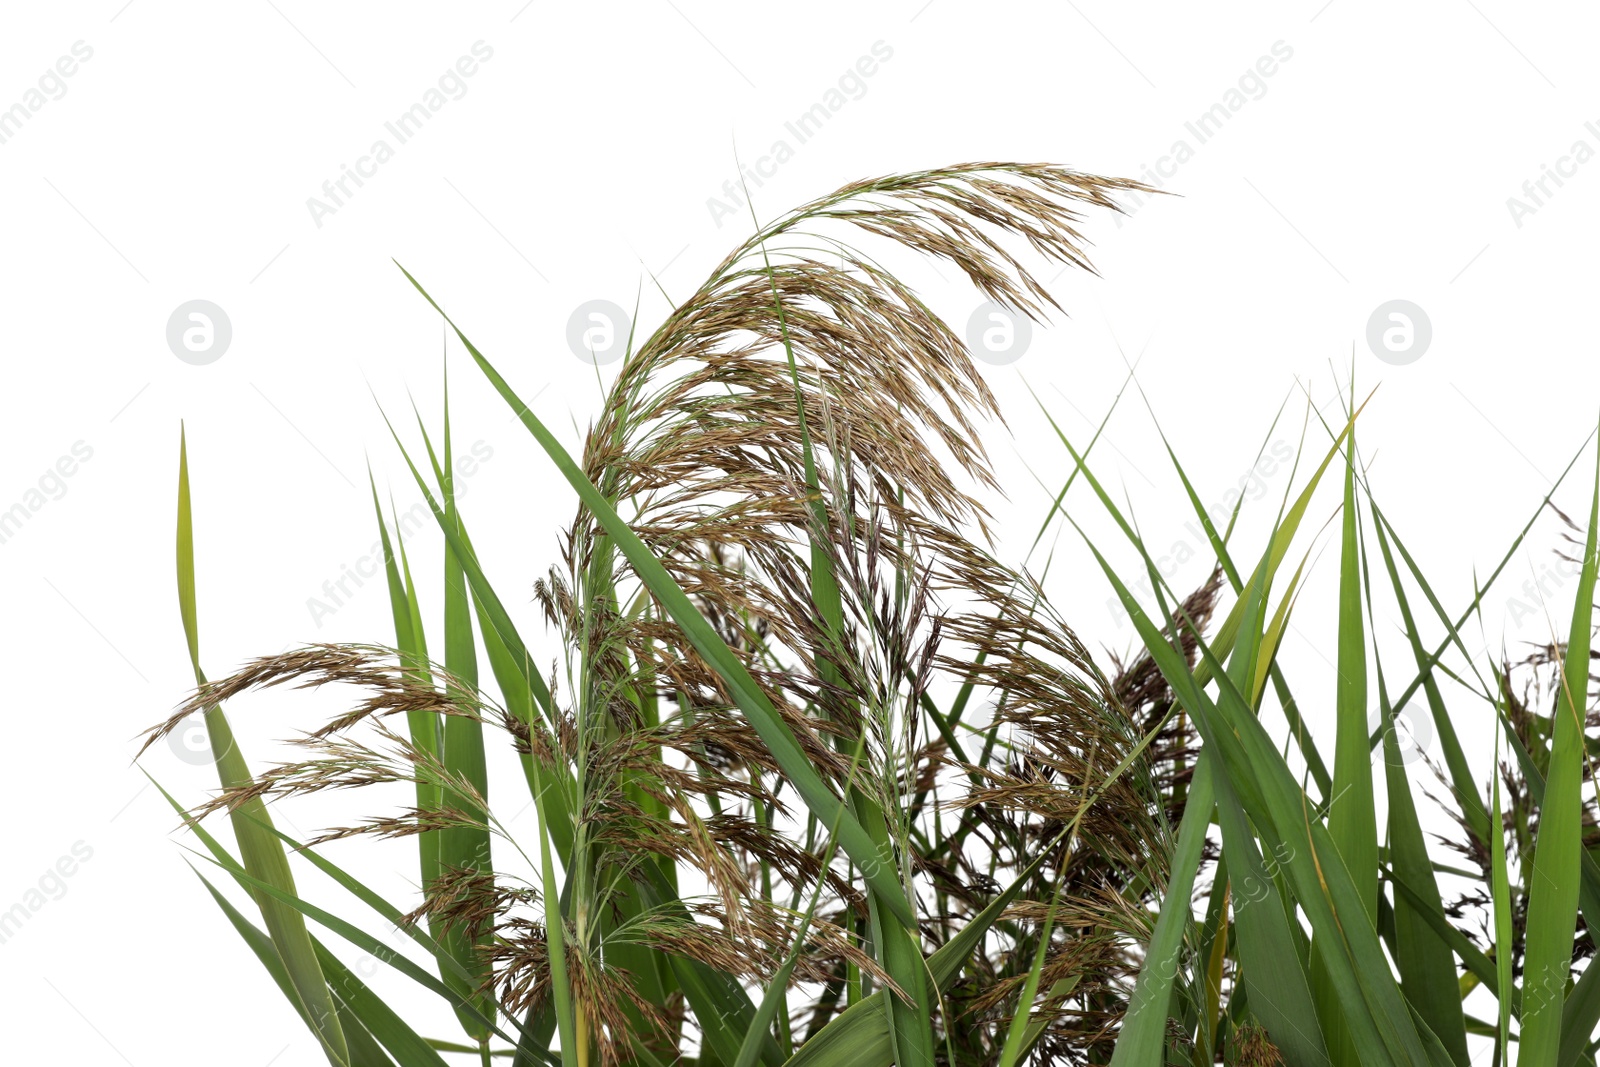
<point x="177" y="165"/>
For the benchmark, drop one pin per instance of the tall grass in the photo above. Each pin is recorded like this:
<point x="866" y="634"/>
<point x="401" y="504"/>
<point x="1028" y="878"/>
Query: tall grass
<point x="820" y="780"/>
<point x="1328" y="937"/>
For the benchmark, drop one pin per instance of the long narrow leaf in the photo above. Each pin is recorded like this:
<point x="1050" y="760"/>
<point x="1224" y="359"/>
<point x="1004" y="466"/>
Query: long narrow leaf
<point x="1553" y="883"/>
<point x="262" y="853"/>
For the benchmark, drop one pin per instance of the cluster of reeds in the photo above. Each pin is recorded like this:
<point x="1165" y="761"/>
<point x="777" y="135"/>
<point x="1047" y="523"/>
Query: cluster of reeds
<point x="820" y="780"/>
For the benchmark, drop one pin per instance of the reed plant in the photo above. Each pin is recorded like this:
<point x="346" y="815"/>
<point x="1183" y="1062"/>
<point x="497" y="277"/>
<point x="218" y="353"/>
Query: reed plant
<point x="820" y="780"/>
